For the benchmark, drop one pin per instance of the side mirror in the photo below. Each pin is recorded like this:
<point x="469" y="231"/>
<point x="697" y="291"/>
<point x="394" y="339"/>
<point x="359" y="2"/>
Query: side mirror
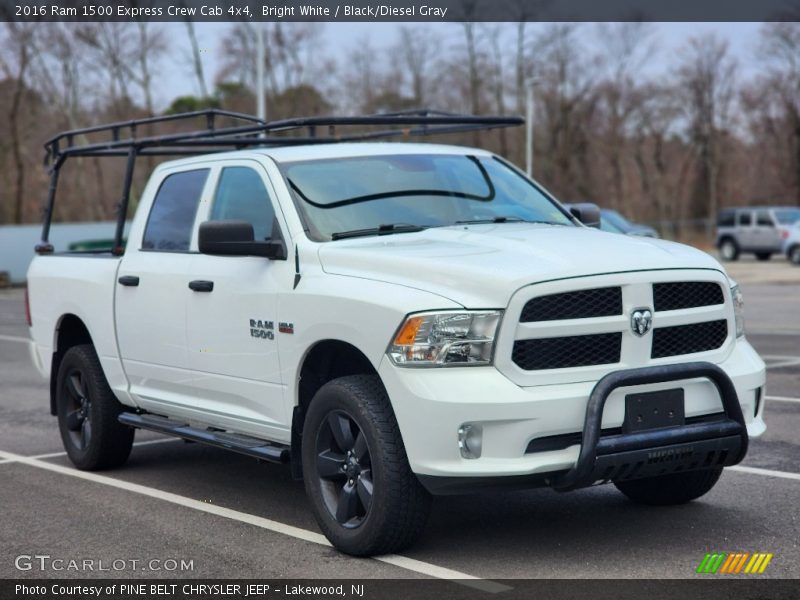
<point x="587" y="213"/>
<point x="236" y="238"/>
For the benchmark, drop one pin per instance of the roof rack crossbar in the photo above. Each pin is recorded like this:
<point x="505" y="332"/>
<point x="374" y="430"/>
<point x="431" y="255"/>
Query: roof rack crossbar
<point x="432" y="122"/>
<point x="167" y="146"/>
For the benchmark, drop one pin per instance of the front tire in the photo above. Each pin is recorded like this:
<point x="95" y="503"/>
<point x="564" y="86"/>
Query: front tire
<point x="728" y="250"/>
<point x="794" y="255"/>
<point x="87" y="413"/>
<point x="357" y="477"/>
<point x="668" y="490"/>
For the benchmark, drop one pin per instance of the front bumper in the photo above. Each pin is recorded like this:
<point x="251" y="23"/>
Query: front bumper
<point x="432" y="404"/>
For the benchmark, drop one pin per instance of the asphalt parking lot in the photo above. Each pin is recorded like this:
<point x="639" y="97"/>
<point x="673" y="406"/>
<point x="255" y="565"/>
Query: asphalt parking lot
<point x="233" y="517"/>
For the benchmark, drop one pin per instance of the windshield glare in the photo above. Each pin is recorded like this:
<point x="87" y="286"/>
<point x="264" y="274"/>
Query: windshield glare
<point x="430" y="190"/>
<point x="787" y="216"/>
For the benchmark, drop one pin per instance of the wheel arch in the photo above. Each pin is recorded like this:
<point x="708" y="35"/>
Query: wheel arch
<point x="70" y="331"/>
<point x="324" y="361"/>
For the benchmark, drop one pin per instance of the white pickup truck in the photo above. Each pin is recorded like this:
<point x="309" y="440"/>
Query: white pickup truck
<point x="395" y="320"/>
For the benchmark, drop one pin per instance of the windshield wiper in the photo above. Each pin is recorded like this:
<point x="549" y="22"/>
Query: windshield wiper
<point x="502" y="220"/>
<point x="379" y="230"/>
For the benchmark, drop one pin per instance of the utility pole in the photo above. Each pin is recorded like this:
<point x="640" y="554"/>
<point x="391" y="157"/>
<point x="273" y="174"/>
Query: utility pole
<point x="530" y="83"/>
<point x="261" y="101"/>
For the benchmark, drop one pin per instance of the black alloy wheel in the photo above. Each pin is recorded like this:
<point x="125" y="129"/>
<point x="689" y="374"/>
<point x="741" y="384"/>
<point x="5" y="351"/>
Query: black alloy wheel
<point x="79" y="409"/>
<point x="344" y="469"/>
<point x="88" y="413"/>
<point x="363" y="493"/>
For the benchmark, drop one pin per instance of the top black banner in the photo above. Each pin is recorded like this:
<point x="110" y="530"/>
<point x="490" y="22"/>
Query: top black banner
<point x="400" y="10"/>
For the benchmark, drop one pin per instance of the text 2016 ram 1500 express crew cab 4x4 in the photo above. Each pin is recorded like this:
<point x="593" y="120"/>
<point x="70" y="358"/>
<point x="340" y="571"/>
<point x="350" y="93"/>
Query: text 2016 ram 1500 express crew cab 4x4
<point x="395" y="320"/>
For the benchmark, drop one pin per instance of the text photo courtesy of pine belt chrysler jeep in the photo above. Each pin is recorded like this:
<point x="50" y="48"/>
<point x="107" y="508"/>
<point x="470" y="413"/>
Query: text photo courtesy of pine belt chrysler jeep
<point x="394" y="320"/>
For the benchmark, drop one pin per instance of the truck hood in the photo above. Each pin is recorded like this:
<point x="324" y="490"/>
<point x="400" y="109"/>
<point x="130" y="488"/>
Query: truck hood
<point x="481" y="266"/>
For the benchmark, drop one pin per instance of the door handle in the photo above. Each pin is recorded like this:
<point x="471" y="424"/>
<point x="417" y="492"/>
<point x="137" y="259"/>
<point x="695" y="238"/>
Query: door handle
<point x="198" y="285"/>
<point x="129" y="280"/>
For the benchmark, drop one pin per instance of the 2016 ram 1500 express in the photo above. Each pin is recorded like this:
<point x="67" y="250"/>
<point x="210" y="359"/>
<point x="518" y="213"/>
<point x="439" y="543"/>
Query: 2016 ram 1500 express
<point x="396" y="320"/>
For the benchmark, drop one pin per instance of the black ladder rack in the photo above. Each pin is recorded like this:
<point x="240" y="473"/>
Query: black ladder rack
<point x="246" y="131"/>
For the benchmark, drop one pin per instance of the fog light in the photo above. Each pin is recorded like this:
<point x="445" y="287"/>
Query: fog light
<point x="470" y="440"/>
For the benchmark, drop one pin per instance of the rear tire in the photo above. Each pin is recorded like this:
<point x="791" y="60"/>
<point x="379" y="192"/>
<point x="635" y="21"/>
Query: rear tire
<point x="365" y="497"/>
<point x="728" y="250"/>
<point x="763" y="255"/>
<point x="87" y="413"/>
<point x="794" y="255"/>
<point x="668" y="490"/>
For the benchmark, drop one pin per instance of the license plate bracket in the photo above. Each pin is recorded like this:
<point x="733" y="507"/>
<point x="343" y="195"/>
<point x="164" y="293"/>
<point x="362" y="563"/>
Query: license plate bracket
<point x="654" y="410"/>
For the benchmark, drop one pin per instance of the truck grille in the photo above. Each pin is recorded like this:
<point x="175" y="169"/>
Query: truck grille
<point x="688" y="339"/>
<point x="677" y="295"/>
<point x="581" y="304"/>
<point x="589" y="326"/>
<point x="563" y="352"/>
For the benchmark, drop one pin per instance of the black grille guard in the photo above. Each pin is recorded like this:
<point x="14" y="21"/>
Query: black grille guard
<point x="647" y="451"/>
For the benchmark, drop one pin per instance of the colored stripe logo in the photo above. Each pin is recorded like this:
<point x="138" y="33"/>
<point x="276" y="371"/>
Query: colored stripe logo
<point x="732" y="563"/>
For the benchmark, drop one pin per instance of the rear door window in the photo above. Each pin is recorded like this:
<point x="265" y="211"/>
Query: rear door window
<point x="726" y="219"/>
<point x="169" y="226"/>
<point x="745" y="219"/>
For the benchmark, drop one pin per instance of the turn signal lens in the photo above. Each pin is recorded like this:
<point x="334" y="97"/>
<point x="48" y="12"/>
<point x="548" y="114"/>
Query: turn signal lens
<point x="408" y="332"/>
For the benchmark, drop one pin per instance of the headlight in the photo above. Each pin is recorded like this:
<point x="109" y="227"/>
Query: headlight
<point x="738" y="310"/>
<point x="445" y="339"/>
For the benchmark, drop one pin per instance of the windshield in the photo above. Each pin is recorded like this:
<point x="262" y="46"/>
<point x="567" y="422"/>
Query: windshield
<point x="787" y="216"/>
<point x="342" y="195"/>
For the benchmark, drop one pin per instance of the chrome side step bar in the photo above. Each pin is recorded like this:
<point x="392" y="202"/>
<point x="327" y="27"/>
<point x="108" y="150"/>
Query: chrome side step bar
<point x="243" y="444"/>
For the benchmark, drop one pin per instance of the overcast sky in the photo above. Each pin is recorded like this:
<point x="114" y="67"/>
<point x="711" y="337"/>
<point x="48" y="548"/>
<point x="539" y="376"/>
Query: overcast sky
<point x="340" y="38"/>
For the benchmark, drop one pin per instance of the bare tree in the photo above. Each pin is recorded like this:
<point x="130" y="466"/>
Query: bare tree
<point x="661" y="159"/>
<point x="197" y="61"/>
<point x="565" y="110"/>
<point x="780" y="47"/>
<point x="20" y="37"/>
<point x="112" y="48"/>
<point x="625" y="49"/>
<point x="706" y="76"/>
<point x="292" y="57"/>
<point x="150" y="47"/>
<point x="494" y="34"/>
<point x="418" y="52"/>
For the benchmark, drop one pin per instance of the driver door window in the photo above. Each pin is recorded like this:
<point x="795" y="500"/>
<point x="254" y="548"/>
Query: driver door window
<point x="242" y="196"/>
<point x="763" y="219"/>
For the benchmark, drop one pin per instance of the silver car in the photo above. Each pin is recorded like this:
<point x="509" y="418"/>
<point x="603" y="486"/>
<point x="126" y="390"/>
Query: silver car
<point x="759" y="230"/>
<point x="791" y="245"/>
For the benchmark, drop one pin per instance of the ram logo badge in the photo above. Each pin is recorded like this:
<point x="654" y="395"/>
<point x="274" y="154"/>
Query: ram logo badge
<point x="641" y="321"/>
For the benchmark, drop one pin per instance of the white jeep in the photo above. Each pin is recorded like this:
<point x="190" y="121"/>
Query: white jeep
<point x="394" y="320"/>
